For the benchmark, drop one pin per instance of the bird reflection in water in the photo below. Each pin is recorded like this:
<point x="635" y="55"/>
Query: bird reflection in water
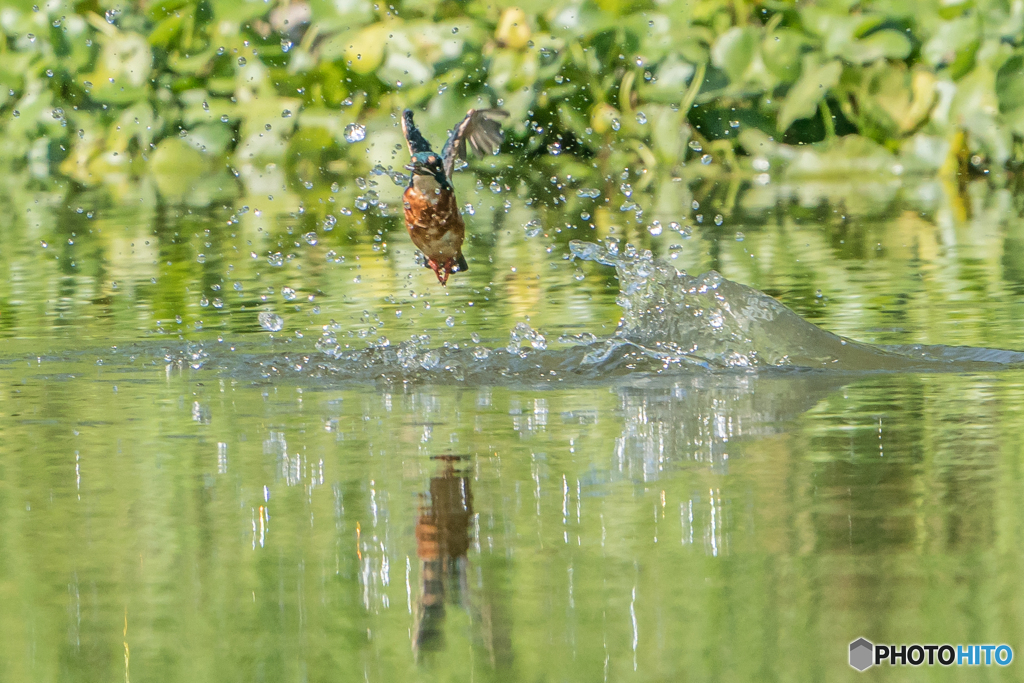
<point x="442" y="540"/>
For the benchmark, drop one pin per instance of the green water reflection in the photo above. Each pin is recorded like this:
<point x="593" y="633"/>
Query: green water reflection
<point x="164" y="522"/>
<point x="735" y="528"/>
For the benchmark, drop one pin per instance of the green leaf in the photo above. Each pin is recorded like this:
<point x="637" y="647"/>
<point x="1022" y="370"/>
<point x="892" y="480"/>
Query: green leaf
<point x="733" y="52"/>
<point x="164" y="8"/>
<point x="887" y="44"/>
<point x="814" y="83"/>
<point x="165" y="31"/>
<point x="176" y="167"/>
<point x="949" y="39"/>
<point x="781" y="54"/>
<point x="238" y="11"/>
<point x="1010" y="84"/>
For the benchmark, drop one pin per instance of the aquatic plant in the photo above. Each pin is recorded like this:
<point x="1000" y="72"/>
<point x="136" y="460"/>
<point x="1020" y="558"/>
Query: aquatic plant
<point x="204" y="94"/>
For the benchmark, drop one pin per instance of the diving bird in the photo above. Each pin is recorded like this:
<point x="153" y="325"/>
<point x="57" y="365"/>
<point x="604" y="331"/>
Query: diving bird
<point x="431" y="211"/>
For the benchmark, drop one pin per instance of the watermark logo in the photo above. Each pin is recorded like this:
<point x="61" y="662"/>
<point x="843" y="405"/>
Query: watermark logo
<point x="865" y="654"/>
<point x="861" y="654"/>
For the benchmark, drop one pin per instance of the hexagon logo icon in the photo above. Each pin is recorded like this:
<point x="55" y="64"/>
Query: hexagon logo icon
<point x="861" y="654"/>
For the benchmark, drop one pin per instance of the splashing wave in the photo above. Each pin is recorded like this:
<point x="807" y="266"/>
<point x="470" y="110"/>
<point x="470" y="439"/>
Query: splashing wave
<point x="713" y="322"/>
<point x="670" y="319"/>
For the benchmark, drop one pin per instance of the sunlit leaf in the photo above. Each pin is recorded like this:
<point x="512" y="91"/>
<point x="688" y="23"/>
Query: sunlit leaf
<point x="885" y="44"/>
<point x="176" y="167"/>
<point x="814" y="83"/>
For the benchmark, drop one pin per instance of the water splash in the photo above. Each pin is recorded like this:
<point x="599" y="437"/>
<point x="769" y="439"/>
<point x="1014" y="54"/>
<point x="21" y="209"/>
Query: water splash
<point x="672" y="324"/>
<point x="713" y="322"/>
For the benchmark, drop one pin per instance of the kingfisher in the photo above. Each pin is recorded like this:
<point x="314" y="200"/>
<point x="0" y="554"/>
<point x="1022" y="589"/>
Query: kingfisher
<point x="431" y="211"/>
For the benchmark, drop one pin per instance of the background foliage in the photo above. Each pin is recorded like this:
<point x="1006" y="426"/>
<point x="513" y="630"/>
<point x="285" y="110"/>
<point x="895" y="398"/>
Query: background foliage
<point x="208" y="96"/>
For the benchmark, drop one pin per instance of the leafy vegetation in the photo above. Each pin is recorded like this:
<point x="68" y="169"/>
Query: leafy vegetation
<point x="212" y="97"/>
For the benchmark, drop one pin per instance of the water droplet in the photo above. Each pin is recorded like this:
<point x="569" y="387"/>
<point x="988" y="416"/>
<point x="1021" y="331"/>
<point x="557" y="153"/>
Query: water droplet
<point x="654" y="228"/>
<point x="238" y="286"/>
<point x="286" y="45"/>
<point x="16" y="113"/>
<point x="695" y="145"/>
<point x="554" y="149"/>
<point x="201" y="258"/>
<point x="533" y="228"/>
<point x="430" y="359"/>
<point x="455" y="29"/>
<point x="450" y="321"/>
<point x="695" y="205"/>
<point x="719" y="219"/>
<point x="495" y="187"/>
<point x="111" y="14"/>
<point x="275" y="259"/>
<point x="355" y="132"/>
<point x="241" y="61"/>
<point x="468" y="209"/>
<point x="615" y="124"/>
<point x="475" y="337"/>
<point x="578" y="275"/>
<point x="523" y="332"/>
<point x="588" y="192"/>
<point x="706" y="159"/>
<point x="739" y="237"/>
<point x="183" y="133"/>
<point x="43" y="243"/>
<point x="641" y="118"/>
<point x="734" y="124"/>
<point x="271" y="322"/>
<point x="224" y="118"/>
<point x="288" y="293"/>
<point x="286" y="113"/>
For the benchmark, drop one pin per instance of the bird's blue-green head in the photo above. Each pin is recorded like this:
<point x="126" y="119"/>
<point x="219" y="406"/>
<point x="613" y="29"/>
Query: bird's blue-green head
<point x="428" y="164"/>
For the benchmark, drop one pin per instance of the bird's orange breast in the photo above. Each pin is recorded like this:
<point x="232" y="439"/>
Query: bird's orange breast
<point x="434" y="224"/>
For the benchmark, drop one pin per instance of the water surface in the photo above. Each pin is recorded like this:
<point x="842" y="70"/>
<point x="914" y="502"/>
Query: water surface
<point x="405" y="482"/>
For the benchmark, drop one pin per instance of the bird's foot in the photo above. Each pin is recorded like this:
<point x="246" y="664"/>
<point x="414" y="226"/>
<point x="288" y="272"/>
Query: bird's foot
<point x="440" y="271"/>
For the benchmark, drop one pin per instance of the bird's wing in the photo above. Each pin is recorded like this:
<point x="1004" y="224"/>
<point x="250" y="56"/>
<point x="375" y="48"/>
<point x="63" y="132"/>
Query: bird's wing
<point x="417" y="143"/>
<point x="481" y="128"/>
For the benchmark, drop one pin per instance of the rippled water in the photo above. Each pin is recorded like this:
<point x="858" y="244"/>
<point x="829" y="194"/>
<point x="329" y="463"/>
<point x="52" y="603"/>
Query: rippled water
<point x="575" y="463"/>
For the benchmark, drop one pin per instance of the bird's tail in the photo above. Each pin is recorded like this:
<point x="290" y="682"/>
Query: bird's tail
<point x="417" y="143"/>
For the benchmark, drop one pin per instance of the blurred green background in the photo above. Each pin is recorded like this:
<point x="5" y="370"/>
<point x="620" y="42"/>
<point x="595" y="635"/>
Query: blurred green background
<point x="216" y="98"/>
